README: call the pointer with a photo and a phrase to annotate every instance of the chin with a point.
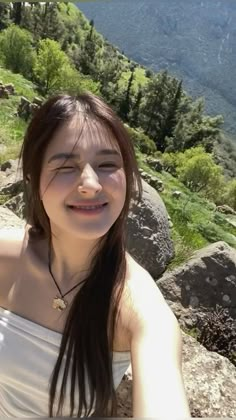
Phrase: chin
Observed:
(88, 234)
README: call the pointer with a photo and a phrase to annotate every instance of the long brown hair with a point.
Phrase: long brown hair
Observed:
(85, 342)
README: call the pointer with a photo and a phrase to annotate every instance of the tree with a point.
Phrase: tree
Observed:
(169, 123)
(125, 104)
(198, 171)
(16, 45)
(134, 112)
(44, 21)
(50, 66)
(159, 94)
(4, 16)
(193, 127)
(73, 83)
(53, 27)
(16, 12)
(141, 141)
(88, 61)
(32, 19)
(109, 71)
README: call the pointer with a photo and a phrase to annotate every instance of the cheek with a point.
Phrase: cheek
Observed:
(117, 183)
(47, 185)
(54, 183)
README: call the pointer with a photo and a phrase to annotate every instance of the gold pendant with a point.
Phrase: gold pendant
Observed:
(59, 303)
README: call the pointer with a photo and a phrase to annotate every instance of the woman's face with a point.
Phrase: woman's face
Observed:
(84, 194)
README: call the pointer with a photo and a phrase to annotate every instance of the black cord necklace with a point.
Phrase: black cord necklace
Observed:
(59, 302)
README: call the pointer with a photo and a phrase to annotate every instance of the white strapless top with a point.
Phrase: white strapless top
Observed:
(28, 353)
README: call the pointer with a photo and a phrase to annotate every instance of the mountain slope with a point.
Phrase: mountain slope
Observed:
(193, 39)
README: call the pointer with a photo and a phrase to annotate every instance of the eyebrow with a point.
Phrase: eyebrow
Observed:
(59, 156)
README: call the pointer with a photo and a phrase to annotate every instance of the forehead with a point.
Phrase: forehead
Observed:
(82, 134)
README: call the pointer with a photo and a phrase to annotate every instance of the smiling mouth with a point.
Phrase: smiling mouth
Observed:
(98, 206)
(88, 210)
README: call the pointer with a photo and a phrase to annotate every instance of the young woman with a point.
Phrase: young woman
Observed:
(75, 308)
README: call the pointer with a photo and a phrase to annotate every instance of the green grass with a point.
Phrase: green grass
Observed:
(196, 224)
(193, 332)
(22, 86)
(12, 127)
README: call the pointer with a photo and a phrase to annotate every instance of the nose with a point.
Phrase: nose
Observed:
(89, 181)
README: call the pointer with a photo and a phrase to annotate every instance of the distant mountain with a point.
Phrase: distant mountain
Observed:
(194, 39)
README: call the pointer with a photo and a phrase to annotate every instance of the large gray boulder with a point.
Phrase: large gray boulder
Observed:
(209, 380)
(9, 220)
(207, 279)
(17, 205)
(11, 181)
(149, 239)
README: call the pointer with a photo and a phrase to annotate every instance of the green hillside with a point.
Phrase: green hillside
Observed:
(12, 127)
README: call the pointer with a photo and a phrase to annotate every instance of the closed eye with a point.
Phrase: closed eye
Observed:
(108, 164)
(65, 167)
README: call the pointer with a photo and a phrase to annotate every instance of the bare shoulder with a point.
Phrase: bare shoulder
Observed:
(143, 303)
(11, 240)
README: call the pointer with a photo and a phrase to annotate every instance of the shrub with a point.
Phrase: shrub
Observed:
(142, 141)
(218, 332)
(230, 195)
(17, 51)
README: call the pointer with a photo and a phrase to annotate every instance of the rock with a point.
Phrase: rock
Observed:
(154, 164)
(10, 166)
(209, 381)
(6, 90)
(37, 101)
(4, 93)
(206, 280)
(153, 181)
(2, 177)
(17, 205)
(177, 194)
(27, 108)
(9, 220)
(11, 185)
(225, 209)
(10, 88)
(23, 110)
(148, 236)
(156, 183)
(12, 181)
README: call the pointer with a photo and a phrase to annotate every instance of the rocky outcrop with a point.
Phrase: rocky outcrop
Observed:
(209, 379)
(154, 163)
(153, 181)
(206, 280)
(192, 290)
(149, 234)
(225, 209)
(9, 220)
(6, 90)
(27, 108)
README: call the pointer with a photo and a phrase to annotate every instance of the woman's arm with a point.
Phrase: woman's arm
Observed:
(156, 355)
